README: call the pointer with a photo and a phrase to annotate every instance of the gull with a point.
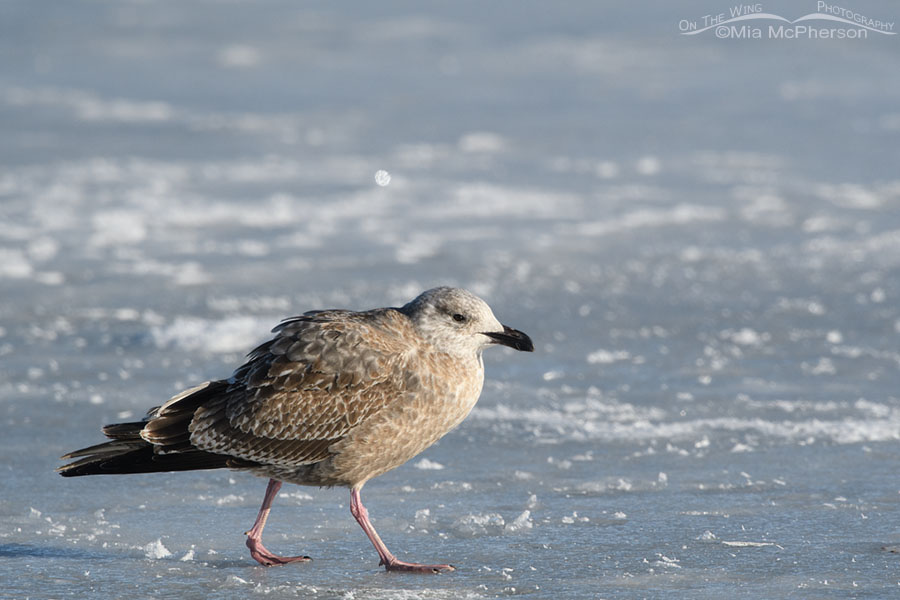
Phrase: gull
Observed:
(335, 398)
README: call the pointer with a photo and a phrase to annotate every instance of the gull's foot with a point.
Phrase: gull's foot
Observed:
(267, 559)
(399, 565)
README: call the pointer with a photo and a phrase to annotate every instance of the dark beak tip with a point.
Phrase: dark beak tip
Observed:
(513, 338)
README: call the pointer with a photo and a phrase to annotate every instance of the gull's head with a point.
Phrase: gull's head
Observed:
(458, 322)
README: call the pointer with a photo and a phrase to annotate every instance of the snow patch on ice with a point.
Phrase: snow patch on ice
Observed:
(606, 357)
(240, 56)
(476, 525)
(156, 550)
(89, 106)
(186, 273)
(745, 337)
(229, 500)
(14, 264)
(297, 496)
(220, 336)
(824, 366)
(117, 227)
(43, 248)
(682, 214)
(493, 201)
(595, 419)
(482, 142)
(523, 521)
(740, 544)
(393, 594)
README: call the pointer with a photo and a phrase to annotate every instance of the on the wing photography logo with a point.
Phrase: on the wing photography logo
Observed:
(752, 22)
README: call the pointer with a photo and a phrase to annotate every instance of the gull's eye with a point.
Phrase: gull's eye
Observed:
(459, 318)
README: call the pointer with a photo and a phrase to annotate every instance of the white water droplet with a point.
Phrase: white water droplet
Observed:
(382, 177)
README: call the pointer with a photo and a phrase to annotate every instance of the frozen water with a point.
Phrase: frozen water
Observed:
(701, 235)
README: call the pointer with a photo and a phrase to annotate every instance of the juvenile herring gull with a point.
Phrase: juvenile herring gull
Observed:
(335, 398)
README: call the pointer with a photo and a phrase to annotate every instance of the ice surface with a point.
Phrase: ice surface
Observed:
(702, 236)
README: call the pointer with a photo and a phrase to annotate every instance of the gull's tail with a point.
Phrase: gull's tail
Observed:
(159, 443)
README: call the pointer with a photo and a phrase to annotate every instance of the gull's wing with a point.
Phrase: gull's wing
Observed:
(299, 393)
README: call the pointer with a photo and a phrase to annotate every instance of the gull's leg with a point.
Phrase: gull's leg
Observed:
(254, 536)
(390, 562)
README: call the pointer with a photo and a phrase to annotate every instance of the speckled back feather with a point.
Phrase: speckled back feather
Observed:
(305, 389)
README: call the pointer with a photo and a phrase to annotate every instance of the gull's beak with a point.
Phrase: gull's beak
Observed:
(512, 338)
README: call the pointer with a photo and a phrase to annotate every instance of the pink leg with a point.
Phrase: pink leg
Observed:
(390, 562)
(254, 536)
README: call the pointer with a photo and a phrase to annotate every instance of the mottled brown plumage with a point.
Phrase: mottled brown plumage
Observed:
(335, 398)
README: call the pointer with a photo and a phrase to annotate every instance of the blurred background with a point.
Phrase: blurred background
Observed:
(701, 234)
